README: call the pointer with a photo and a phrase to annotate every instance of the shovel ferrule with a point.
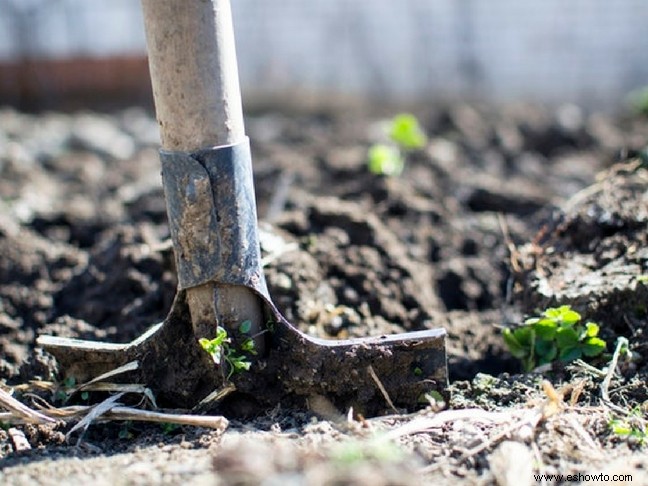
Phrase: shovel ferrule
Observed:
(212, 216)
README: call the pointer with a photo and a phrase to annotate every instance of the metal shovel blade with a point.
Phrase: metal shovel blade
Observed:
(357, 372)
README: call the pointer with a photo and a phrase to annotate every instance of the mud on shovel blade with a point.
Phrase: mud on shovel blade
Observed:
(207, 178)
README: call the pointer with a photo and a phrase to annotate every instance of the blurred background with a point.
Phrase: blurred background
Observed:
(81, 53)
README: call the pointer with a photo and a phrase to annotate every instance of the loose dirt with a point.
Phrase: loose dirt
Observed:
(506, 211)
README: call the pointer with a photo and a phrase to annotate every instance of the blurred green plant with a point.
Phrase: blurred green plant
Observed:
(555, 335)
(405, 134)
(385, 160)
(379, 449)
(632, 427)
(638, 100)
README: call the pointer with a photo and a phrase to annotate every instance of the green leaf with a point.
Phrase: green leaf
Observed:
(620, 428)
(566, 337)
(245, 327)
(525, 336)
(206, 344)
(565, 315)
(545, 329)
(593, 346)
(546, 351)
(221, 335)
(591, 329)
(69, 382)
(249, 346)
(237, 364)
(571, 353)
(242, 365)
(406, 132)
(514, 346)
(385, 160)
(212, 347)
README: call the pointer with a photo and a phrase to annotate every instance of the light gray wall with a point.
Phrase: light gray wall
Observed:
(585, 51)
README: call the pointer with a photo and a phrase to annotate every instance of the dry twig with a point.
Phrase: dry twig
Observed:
(22, 411)
(605, 384)
(382, 389)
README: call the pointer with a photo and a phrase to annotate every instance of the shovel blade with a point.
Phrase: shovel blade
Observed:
(373, 375)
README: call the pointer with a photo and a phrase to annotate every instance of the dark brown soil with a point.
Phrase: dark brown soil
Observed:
(479, 231)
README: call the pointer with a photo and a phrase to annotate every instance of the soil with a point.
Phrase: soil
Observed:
(507, 211)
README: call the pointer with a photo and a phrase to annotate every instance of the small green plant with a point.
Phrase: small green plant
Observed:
(385, 160)
(632, 428)
(220, 349)
(556, 335)
(405, 134)
(64, 389)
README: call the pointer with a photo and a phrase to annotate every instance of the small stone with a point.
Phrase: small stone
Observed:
(512, 464)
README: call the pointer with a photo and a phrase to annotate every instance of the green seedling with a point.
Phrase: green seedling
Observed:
(556, 335)
(631, 428)
(215, 347)
(220, 349)
(405, 134)
(64, 388)
(385, 160)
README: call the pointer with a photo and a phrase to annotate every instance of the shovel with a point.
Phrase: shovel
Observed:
(207, 179)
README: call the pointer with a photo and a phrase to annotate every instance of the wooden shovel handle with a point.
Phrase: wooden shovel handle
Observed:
(192, 59)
